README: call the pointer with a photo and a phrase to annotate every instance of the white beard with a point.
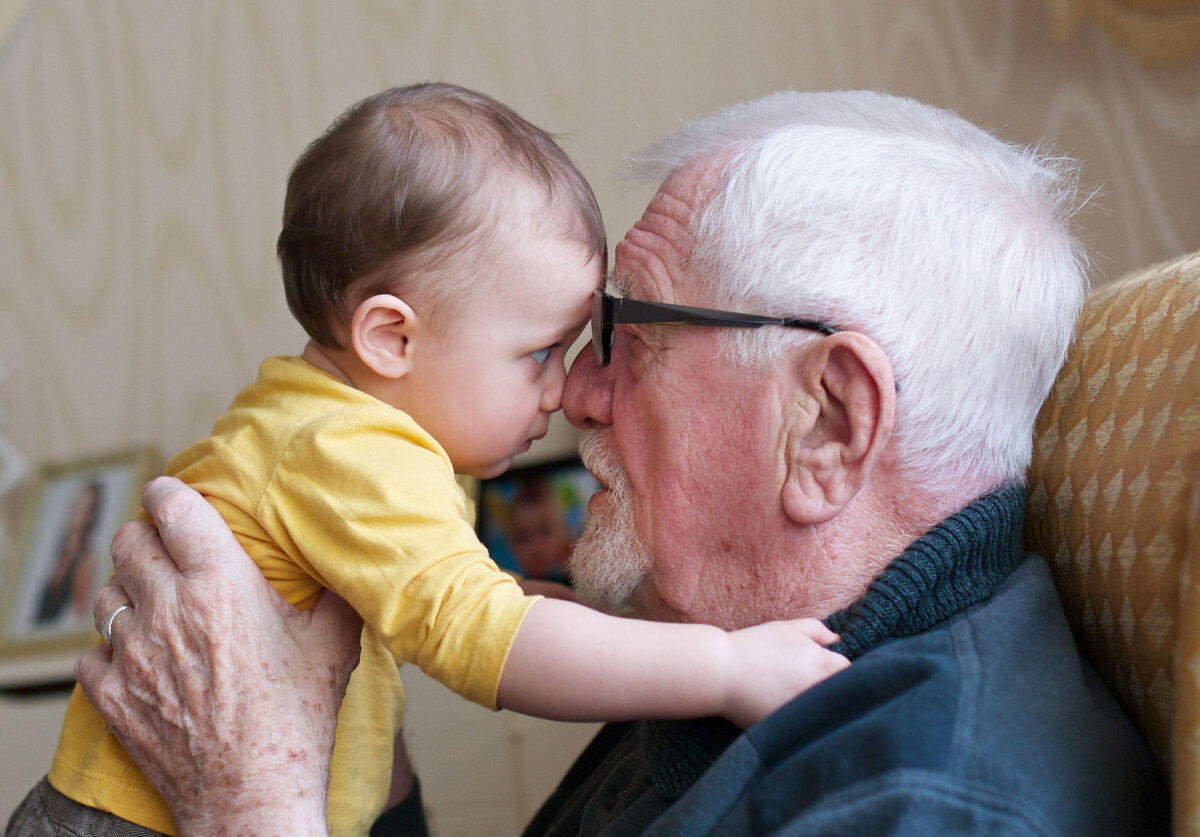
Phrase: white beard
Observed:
(610, 560)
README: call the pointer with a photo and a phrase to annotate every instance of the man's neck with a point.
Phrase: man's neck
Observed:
(959, 562)
(842, 557)
(883, 520)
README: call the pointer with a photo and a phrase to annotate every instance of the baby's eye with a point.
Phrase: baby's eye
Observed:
(542, 355)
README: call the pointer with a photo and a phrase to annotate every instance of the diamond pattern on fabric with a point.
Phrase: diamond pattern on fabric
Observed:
(1114, 503)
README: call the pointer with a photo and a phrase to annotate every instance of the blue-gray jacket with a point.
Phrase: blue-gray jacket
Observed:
(967, 710)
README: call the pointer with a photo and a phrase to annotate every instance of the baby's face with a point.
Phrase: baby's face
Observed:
(538, 537)
(487, 391)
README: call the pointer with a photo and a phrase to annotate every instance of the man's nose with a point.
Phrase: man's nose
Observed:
(587, 395)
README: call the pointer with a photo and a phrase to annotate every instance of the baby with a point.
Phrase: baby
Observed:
(442, 253)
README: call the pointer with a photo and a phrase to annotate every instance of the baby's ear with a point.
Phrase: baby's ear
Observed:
(381, 334)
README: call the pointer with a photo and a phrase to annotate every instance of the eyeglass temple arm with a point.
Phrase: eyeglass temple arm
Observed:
(661, 313)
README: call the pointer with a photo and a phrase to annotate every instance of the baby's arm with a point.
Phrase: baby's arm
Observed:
(570, 663)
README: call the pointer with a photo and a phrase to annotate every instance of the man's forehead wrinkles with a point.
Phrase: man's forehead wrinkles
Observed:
(687, 190)
(678, 209)
(656, 247)
(646, 262)
(670, 218)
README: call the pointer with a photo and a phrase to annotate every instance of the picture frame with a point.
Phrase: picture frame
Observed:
(62, 555)
(530, 517)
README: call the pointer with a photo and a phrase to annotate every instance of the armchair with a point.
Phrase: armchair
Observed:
(1114, 503)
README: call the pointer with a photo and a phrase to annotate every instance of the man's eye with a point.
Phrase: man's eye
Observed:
(542, 355)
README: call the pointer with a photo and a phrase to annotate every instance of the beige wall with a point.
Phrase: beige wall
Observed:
(144, 146)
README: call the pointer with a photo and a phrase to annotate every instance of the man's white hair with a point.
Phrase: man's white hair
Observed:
(949, 248)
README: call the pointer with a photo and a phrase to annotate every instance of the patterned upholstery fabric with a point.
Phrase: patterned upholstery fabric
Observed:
(1114, 502)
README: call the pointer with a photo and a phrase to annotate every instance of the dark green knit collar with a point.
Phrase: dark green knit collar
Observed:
(960, 562)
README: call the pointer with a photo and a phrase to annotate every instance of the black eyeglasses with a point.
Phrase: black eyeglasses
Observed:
(607, 311)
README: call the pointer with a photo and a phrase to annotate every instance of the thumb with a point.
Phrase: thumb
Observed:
(194, 534)
(817, 631)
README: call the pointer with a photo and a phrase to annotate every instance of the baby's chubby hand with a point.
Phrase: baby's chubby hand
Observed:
(769, 664)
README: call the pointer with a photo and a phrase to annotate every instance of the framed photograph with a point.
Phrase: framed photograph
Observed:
(530, 517)
(62, 556)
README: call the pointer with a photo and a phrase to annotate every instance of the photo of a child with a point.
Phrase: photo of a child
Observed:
(74, 511)
(530, 518)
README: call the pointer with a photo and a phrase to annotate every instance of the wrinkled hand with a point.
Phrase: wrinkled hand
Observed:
(770, 664)
(224, 694)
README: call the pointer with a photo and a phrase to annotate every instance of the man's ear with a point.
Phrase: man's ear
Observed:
(843, 407)
(382, 333)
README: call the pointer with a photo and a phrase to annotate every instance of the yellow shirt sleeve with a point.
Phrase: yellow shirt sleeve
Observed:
(366, 502)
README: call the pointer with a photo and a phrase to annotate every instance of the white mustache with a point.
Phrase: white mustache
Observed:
(596, 451)
(610, 560)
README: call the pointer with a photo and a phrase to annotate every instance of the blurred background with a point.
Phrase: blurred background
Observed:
(144, 147)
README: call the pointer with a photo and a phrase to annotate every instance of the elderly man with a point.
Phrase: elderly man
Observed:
(853, 449)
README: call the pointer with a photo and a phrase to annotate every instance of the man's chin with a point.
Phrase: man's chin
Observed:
(607, 571)
(596, 593)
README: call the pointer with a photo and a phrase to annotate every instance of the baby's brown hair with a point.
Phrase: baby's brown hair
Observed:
(402, 182)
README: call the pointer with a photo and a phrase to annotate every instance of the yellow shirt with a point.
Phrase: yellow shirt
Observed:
(327, 487)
